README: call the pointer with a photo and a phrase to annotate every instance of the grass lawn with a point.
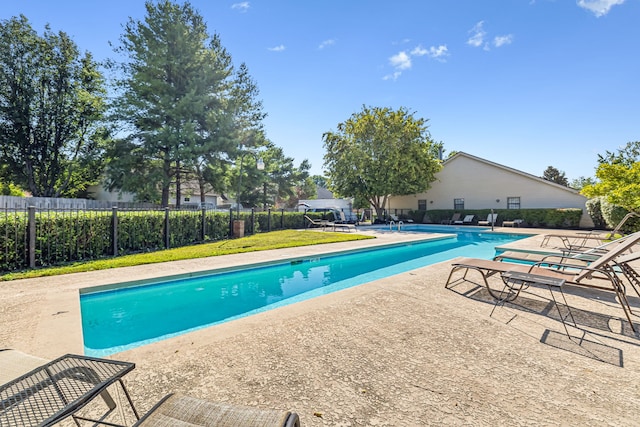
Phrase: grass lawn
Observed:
(257, 242)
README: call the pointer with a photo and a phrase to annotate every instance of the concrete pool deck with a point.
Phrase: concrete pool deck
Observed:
(399, 351)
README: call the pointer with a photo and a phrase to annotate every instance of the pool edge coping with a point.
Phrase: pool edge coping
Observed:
(221, 270)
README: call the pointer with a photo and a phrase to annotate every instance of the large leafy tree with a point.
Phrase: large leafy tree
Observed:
(305, 187)
(213, 155)
(279, 183)
(239, 131)
(627, 155)
(51, 103)
(286, 183)
(380, 152)
(581, 182)
(618, 175)
(173, 100)
(554, 175)
(320, 181)
(10, 190)
(248, 132)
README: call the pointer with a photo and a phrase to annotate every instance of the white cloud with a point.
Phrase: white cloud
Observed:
(393, 76)
(435, 52)
(326, 43)
(403, 41)
(599, 7)
(401, 61)
(242, 7)
(477, 35)
(438, 52)
(503, 40)
(279, 48)
(419, 51)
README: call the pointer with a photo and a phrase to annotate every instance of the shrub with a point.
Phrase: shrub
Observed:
(8, 189)
(563, 218)
(594, 209)
(613, 214)
(552, 218)
(69, 236)
(13, 240)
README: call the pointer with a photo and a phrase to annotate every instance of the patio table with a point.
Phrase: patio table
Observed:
(515, 281)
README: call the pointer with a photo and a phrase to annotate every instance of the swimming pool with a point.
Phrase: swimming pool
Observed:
(126, 317)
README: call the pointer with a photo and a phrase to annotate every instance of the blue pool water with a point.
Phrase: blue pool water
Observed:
(126, 317)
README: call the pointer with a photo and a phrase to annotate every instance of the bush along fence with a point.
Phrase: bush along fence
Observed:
(31, 237)
(539, 218)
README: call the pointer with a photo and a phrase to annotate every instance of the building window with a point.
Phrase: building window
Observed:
(513, 202)
(458, 204)
(422, 205)
(186, 199)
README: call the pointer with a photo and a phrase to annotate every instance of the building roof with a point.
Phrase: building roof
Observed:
(323, 193)
(512, 170)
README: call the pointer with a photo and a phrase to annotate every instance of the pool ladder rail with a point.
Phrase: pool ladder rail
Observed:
(392, 223)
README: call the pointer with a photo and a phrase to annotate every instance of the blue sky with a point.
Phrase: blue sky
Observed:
(524, 83)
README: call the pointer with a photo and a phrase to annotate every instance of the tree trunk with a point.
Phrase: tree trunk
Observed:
(166, 183)
(379, 205)
(264, 196)
(379, 211)
(178, 190)
(201, 183)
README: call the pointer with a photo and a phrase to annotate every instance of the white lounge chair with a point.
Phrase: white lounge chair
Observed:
(468, 219)
(397, 219)
(455, 217)
(329, 224)
(321, 223)
(491, 220)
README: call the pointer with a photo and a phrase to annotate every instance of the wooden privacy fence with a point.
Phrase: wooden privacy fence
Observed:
(34, 237)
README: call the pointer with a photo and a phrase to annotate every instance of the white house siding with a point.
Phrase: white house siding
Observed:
(98, 192)
(190, 195)
(484, 185)
(212, 201)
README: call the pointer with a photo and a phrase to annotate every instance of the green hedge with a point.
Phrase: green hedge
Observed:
(140, 231)
(544, 218)
(594, 209)
(68, 236)
(13, 240)
(279, 220)
(71, 236)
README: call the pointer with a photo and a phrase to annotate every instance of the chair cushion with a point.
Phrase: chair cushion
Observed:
(15, 363)
(183, 411)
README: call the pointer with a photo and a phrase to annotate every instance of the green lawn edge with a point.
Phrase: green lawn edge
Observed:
(257, 242)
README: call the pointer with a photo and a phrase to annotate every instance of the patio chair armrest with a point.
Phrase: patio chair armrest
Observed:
(585, 271)
(563, 259)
